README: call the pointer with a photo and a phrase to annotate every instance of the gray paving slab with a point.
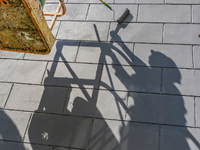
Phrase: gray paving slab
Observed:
(196, 13)
(197, 100)
(136, 32)
(183, 1)
(129, 78)
(107, 134)
(181, 33)
(61, 51)
(13, 124)
(4, 92)
(89, 1)
(96, 103)
(183, 138)
(139, 1)
(163, 55)
(55, 27)
(22, 146)
(181, 81)
(164, 13)
(13, 55)
(163, 109)
(102, 13)
(108, 53)
(73, 11)
(22, 71)
(72, 74)
(196, 56)
(37, 98)
(59, 130)
(94, 31)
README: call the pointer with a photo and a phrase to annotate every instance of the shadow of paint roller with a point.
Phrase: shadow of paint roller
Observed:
(122, 17)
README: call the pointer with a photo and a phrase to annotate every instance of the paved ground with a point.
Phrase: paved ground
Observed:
(104, 86)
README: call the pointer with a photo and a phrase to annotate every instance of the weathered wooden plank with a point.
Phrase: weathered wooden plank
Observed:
(23, 27)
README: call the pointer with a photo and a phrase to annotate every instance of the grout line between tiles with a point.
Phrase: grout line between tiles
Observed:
(8, 95)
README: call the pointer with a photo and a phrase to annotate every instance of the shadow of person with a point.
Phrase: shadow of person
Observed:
(162, 109)
(106, 134)
(9, 132)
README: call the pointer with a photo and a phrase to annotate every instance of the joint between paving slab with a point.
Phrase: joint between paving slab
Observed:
(90, 134)
(58, 29)
(29, 121)
(159, 136)
(100, 76)
(127, 105)
(108, 31)
(103, 89)
(133, 54)
(87, 12)
(8, 95)
(193, 61)
(191, 12)
(66, 98)
(163, 32)
(89, 117)
(44, 72)
(79, 44)
(24, 56)
(137, 13)
(195, 113)
(161, 80)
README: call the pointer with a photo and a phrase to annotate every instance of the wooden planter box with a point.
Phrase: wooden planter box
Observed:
(23, 27)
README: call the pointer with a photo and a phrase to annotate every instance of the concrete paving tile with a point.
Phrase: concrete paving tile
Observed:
(197, 111)
(55, 27)
(163, 55)
(139, 1)
(61, 51)
(59, 130)
(102, 13)
(22, 146)
(83, 31)
(164, 109)
(72, 74)
(131, 78)
(196, 13)
(73, 11)
(164, 13)
(108, 53)
(37, 98)
(136, 32)
(7, 54)
(181, 33)
(22, 71)
(13, 124)
(179, 138)
(183, 1)
(181, 81)
(89, 1)
(97, 103)
(196, 56)
(107, 134)
(4, 92)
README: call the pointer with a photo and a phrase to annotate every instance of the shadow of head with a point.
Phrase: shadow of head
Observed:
(163, 60)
